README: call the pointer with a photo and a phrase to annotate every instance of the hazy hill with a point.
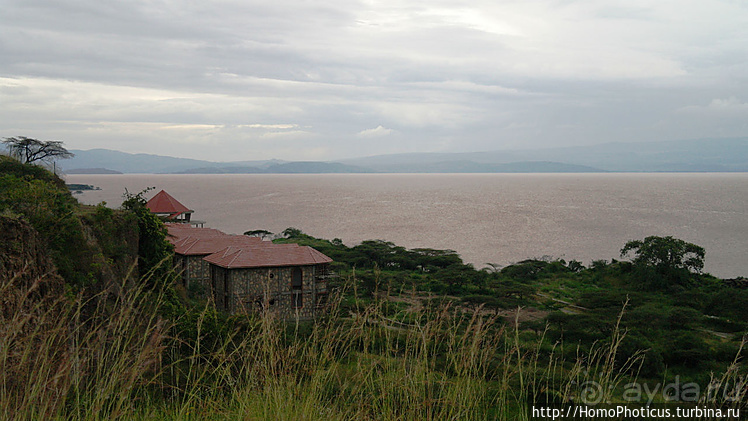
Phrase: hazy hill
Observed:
(315, 167)
(127, 162)
(476, 167)
(704, 155)
(283, 168)
(707, 155)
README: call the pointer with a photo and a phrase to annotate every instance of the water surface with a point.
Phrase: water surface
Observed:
(496, 218)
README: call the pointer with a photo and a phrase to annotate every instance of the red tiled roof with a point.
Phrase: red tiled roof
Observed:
(192, 246)
(267, 255)
(163, 202)
(239, 251)
(181, 231)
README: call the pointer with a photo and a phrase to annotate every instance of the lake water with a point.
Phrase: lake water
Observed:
(496, 218)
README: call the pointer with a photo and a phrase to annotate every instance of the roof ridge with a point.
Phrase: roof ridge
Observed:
(236, 255)
(194, 242)
(314, 254)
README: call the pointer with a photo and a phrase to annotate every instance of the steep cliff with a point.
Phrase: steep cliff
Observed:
(25, 264)
(46, 231)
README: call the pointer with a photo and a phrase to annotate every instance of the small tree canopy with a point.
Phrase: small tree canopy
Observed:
(666, 253)
(292, 232)
(154, 251)
(259, 233)
(28, 150)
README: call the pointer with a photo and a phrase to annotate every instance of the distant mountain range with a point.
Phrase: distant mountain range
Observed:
(303, 167)
(703, 155)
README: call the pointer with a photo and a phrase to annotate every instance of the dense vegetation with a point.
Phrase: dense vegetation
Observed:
(86, 243)
(413, 334)
(687, 323)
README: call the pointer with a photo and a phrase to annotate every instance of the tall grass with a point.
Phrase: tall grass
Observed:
(81, 358)
(112, 356)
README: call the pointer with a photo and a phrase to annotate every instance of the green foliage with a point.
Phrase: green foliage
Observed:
(10, 166)
(458, 278)
(292, 233)
(487, 302)
(383, 266)
(661, 314)
(532, 269)
(730, 303)
(681, 319)
(575, 266)
(259, 233)
(92, 247)
(53, 213)
(116, 236)
(662, 262)
(146, 355)
(378, 253)
(667, 252)
(154, 251)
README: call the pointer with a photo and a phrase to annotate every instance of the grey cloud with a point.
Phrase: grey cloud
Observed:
(442, 75)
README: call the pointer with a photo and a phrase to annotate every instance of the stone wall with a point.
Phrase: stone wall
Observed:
(195, 272)
(271, 289)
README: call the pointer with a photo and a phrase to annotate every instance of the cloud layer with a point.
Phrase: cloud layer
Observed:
(237, 79)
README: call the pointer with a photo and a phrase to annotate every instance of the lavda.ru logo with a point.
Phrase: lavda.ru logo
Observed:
(674, 391)
(678, 391)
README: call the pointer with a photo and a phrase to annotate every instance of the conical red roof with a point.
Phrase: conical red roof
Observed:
(163, 202)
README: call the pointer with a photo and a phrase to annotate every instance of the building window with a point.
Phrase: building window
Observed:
(297, 282)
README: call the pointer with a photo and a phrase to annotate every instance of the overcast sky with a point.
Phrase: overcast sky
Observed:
(320, 80)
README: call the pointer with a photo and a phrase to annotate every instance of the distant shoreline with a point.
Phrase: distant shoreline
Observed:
(92, 171)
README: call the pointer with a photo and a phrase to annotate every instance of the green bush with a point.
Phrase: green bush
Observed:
(154, 251)
(53, 212)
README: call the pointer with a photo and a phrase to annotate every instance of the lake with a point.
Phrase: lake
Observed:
(496, 218)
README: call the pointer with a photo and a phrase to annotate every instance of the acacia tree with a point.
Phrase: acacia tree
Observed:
(666, 252)
(29, 150)
(672, 259)
(263, 234)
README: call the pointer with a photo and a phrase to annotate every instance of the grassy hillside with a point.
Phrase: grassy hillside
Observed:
(684, 323)
(410, 334)
(90, 246)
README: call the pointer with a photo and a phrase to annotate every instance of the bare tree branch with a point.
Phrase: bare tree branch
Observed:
(29, 150)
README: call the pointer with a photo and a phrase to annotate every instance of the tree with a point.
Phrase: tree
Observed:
(661, 262)
(154, 251)
(263, 234)
(29, 150)
(292, 232)
(666, 253)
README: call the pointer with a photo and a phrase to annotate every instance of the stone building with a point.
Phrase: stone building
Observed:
(188, 258)
(287, 280)
(190, 253)
(246, 274)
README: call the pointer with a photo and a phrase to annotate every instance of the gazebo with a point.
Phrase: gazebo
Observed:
(164, 204)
